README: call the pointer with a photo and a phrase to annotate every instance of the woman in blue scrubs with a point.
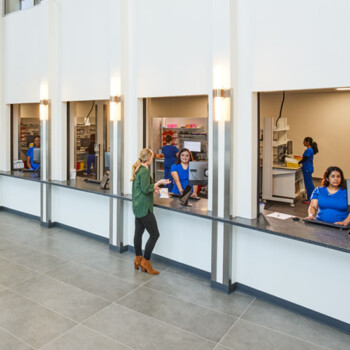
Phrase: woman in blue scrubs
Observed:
(170, 153)
(308, 165)
(30, 163)
(329, 202)
(180, 172)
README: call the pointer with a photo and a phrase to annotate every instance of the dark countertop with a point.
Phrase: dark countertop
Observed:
(323, 236)
(19, 174)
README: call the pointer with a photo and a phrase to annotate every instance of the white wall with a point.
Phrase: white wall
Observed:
(173, 47)
(20, 195)
(302, 273)
(23, 55)
(84, 27)
(81, 210)
(299, 44)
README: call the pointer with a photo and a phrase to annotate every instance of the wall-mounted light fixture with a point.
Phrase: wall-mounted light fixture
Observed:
(114, 102)
(343, 89)
(219, 96)
(44, 102)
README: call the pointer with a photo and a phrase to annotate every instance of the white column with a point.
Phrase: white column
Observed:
(119, 41)
(221, 136)
(245, 112)
(5, 133)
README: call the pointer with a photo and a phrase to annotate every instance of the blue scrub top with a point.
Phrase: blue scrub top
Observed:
(331, 207)
(169, 152)
(30, 154)
(309, 163)
(183, 176)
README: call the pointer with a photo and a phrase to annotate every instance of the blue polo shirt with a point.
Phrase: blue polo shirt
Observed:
(169, 152)
(309, 163)
(30, 154)
(183, 176)
(331, 207)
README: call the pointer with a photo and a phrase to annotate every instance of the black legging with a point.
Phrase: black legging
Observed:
(149, 223)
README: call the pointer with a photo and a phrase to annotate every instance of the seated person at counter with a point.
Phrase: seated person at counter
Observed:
(180, 172)
(329, 202)
(170, 153)
(30, 164)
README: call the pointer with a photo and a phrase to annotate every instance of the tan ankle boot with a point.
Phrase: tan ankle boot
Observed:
(137, 262)
(147, 267)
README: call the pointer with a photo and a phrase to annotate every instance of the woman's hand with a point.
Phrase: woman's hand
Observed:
(342, 223)
(162, 182)
(310, 217)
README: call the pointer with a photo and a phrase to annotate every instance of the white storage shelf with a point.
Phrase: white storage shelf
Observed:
(279, 183)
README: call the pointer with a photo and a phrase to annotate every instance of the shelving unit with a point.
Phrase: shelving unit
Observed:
(158, 169)
(279, 183)
(29, 127)
(82, 141)
(187, 134)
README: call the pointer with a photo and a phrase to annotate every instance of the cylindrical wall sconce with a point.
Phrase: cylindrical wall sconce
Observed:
(44, 102)
(221, 110)
(115, 99)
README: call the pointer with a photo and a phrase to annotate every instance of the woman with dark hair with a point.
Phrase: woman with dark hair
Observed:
(180, 172)
(170, 153)
(308, 165)
(329, 202)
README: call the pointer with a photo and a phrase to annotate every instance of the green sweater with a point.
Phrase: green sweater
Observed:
(142, 193)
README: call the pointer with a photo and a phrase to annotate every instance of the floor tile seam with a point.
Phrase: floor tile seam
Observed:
(44, 306)
(107, 274)
(191, 302)
(234, 323)
(103, 272)
(31, 269)
(108, 301)
(98, 311)
(131, 291)
(44, 252)
(106, 336)
(169, 324)
(17, 337)
(16, 284)
(90, 250)
(286, 334)
(189, 278)
(71, 285)
(88, 328)
(16, 263)
(59, 336)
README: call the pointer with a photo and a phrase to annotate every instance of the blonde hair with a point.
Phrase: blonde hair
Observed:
(144, 156)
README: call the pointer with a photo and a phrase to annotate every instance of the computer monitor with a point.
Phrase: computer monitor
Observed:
(193, 146)
(36, 155)
(198, 173)
(107, 160)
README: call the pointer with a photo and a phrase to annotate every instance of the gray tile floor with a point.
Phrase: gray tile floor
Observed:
(62, 291)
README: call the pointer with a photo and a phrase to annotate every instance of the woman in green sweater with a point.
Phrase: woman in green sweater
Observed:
(142, 205)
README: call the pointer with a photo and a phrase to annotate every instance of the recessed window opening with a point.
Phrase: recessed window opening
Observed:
(291, 123)
(89, 139)
(174, 124)
(25, 135)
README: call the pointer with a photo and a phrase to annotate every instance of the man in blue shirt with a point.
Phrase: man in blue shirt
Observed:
(30, 163)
